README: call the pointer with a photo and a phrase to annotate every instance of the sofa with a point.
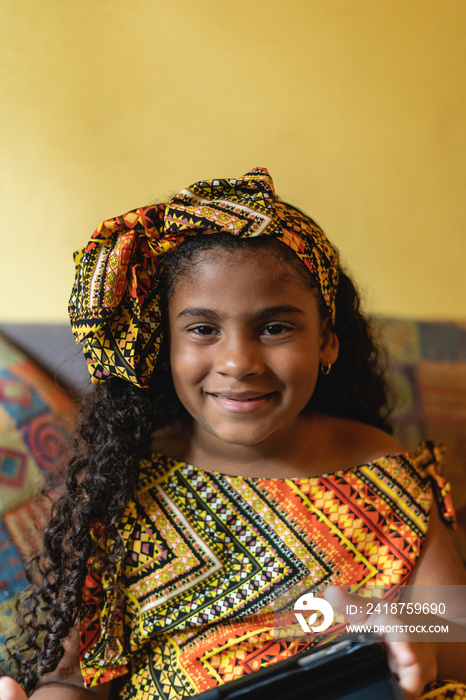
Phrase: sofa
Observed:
(42, 372)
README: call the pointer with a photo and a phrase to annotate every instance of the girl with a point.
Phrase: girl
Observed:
(235, 450)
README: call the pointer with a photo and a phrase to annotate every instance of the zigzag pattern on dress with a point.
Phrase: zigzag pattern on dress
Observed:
(215, 562)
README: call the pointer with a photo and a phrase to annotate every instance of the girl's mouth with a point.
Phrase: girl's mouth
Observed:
(241, 402)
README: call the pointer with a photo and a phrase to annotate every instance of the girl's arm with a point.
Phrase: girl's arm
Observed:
(440, 565)
(65, 683)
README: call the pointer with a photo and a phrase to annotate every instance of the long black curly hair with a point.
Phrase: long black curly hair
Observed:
(117, 421)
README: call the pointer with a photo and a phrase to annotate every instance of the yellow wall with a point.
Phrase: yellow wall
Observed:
(357, 107)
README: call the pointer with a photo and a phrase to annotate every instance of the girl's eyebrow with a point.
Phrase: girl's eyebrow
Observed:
(263, 315)
(195, 311)
(273, 311)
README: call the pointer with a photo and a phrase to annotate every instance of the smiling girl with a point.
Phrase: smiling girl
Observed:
(234, 451)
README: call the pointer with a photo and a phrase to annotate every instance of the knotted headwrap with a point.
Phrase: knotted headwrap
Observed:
(115, 302)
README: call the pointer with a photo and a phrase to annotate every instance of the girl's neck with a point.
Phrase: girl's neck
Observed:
(285, 453)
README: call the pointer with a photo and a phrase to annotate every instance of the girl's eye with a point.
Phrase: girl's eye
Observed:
(202, 329)
(275, 329)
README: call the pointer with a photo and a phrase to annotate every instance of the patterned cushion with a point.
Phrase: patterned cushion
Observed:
(427, 372)
(34, 416)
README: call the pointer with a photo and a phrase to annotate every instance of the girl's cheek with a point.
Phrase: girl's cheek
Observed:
(189, 365)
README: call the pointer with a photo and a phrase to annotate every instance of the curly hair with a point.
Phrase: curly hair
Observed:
(117, 421)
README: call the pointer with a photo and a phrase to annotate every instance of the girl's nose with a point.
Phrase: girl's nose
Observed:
(238, 357)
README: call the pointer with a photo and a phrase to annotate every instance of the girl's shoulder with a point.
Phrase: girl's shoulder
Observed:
(341, 443)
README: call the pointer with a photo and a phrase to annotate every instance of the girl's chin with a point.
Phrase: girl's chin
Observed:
(243, 436)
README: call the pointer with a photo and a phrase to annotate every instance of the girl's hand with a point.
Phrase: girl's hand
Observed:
(10, 690)
(413, 663)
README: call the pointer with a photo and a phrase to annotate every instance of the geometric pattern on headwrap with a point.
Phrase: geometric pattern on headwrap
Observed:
(115, 303)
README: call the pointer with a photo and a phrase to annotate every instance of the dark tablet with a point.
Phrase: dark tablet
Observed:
(350, 668)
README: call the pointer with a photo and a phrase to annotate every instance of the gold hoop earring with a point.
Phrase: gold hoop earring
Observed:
(325, 369)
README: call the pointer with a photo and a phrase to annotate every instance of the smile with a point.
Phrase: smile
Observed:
(241, 403)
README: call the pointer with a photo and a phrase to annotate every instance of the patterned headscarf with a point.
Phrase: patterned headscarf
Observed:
(115, 302)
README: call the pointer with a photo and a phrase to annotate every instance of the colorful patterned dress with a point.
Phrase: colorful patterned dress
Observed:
(214, 563)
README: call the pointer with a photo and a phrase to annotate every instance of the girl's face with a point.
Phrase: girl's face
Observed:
(246, 342)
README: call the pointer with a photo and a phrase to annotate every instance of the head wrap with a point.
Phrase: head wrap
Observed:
(115, 302)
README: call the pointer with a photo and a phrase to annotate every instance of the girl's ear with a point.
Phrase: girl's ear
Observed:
(329, 345)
